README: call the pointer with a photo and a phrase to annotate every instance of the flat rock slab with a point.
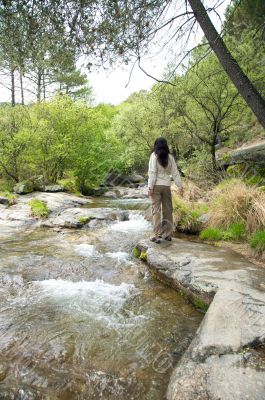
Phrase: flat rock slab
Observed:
(77, 217)
(215, 366)
(18, 216)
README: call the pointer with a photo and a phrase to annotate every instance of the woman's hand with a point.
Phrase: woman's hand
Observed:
(150, 192)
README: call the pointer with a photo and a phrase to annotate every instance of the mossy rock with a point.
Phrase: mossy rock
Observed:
(24, 187)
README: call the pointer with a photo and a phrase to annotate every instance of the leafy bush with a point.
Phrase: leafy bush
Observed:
(235, 202)
(211, 234)
(39, 208)
(257, 241)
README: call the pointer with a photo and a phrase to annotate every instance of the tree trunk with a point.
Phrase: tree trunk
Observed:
(13, 88)
(250, 94)
(214, 164)
(44, 89)
(39, 86)
(21, 88)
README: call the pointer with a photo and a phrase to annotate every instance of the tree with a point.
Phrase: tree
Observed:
(213, 107)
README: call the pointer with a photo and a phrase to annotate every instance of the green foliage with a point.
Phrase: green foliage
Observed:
(257, 241)
(56, 139)
(39, 208)
(200, 304)
(136, 252)
(235, 231)
(83, 220)
(186, 215)
(70, 185)
(211, 234)
(11, 197)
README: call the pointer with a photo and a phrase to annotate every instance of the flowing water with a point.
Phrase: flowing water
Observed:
(82, 319)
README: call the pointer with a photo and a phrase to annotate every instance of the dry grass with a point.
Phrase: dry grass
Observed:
(191, 192)
(234, 201)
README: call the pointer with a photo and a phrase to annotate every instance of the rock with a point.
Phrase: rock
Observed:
(94, 192)
(24, 187)
(254, 153)
(117, 179)
(204, 218)
(54, 188)
(78, 217)
(18, 216)
(4, 200)
(214, 366)
(38, 182)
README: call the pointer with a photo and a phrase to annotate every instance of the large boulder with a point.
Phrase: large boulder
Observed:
(24, 187)
(253, 153)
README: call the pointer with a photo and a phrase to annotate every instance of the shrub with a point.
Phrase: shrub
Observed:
(257, 241)
(39, 208)
(236, 231)
(186, 215)
(233, 202)
(70, 185)
(212, 234)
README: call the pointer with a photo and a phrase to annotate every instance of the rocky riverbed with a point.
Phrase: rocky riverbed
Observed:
(81, 318)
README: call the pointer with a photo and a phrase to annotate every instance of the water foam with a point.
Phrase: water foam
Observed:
(86, 250)
(136, 223)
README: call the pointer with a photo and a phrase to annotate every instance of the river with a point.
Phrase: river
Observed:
(81, 318)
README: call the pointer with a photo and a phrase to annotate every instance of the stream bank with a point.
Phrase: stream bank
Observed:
(224, 360)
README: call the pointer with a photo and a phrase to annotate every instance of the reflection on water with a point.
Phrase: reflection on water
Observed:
(82, 319)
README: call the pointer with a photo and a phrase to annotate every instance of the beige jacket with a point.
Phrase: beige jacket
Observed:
(158, 175)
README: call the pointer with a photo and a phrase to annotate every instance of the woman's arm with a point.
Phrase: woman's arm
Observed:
(152, 172)
(175, 173)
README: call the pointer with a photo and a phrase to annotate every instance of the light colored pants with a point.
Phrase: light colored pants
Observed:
(162, 220)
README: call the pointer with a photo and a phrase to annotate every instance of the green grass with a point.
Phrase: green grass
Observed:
(235, 231)
(257, 241)
(199, 303)
(39, 208)
(11, 197)
(211, 234)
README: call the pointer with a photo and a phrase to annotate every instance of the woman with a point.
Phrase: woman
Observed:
(161, 166)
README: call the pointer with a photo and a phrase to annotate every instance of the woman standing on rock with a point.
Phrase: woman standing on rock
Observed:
(161, 166)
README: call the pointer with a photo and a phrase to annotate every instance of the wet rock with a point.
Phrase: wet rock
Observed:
(24, 187)
(18, 216)
(213, 366)
(75, 217)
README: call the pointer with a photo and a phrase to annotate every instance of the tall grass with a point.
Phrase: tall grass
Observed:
(233, 201)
